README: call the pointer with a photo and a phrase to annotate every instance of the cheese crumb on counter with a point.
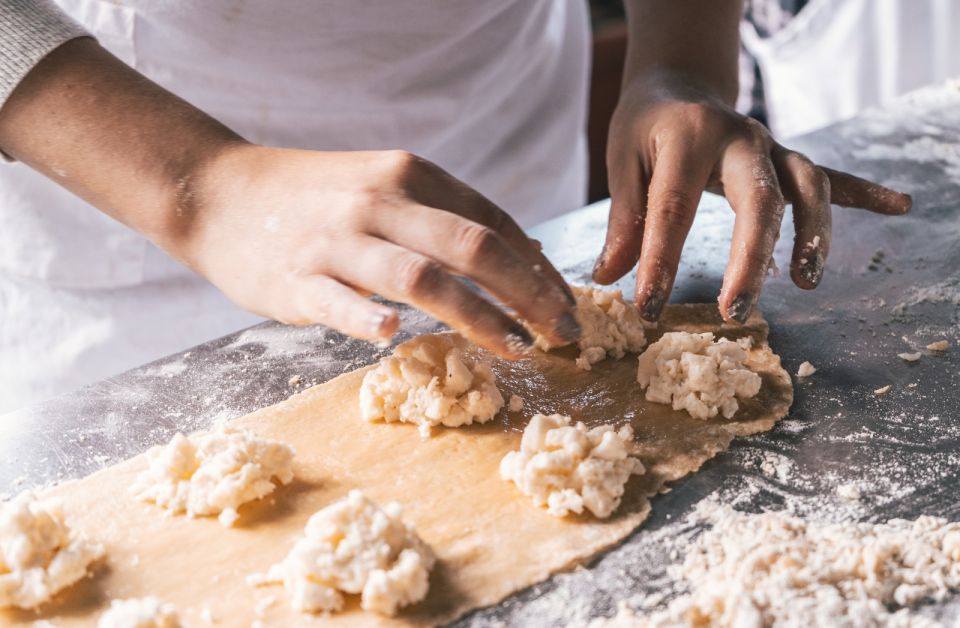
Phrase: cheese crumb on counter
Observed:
(147, 612)
(569, 468)
(515, 404)
(909, 357)
(806, 370)
(774, 569)
(698, 374)
(882, 391)
(39, 554)
(429, 382)
(939, 345)
(353, 546)
(609, 326)
(214, 473)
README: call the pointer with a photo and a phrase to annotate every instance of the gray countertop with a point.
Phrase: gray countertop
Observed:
(892, 285)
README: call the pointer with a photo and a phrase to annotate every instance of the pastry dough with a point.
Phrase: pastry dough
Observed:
(214, 472)
(39, 554)
(430, 383)
(488, 540)
(698, 374)
(568, 467)
(609, 326)
(353, 546)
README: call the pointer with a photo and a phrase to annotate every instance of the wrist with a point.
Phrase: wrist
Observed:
(661, 81)
(197, 198)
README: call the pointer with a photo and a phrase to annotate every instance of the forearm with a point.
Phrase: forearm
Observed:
(696, 38)
(114, 138)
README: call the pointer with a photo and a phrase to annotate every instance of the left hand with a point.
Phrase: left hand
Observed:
(670, 139)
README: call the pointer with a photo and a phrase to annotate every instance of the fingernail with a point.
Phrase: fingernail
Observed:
(739, 310)
(813, 270)
(650, 311)
(378, 321)
(568, 328)
(601, 260)
(519, 339)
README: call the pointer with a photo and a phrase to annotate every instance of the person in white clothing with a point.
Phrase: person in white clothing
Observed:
(301, 156)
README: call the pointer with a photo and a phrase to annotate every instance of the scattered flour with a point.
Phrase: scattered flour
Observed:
(849, 491)
(609, 326)
(147, 612)
(430, 383)
(39, 555)
(922, 149)
(569, 467)
(353, 546)
(214, 472)
(775, 569)
(697, 373)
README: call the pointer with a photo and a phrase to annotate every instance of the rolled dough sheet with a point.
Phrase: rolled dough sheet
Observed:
(490, 539)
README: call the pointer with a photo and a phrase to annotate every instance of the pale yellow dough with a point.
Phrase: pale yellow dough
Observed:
(488, 540)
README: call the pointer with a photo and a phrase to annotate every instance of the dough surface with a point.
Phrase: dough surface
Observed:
(146, 612)
(214, 472)
(430, 383)
(698, 373)
(488, 540)
(39, 554)
(568, 467)
(354, 546)
(610, 326)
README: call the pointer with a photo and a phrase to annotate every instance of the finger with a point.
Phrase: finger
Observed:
(403, 275)
(679, 177)
(848, 190)
(621, 250)
(751, 186)
(439, 189)
(479, 252)
(808, 188)
(321, 299)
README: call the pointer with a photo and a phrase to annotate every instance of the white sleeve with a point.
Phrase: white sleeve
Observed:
(29, 31)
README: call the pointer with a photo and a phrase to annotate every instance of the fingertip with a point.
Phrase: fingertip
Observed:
(383, 323)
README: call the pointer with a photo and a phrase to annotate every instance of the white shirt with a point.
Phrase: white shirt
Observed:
(493, 91)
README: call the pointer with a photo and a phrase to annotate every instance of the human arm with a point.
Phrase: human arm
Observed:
(300, 236)
(676, 133)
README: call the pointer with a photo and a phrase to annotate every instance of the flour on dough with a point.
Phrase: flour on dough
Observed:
(698, 374)
(774, 569)
(610, 326)
(39, 555)
(430, 382)
(146, 612)
(354, 546)
(569, 467)
(214, 472)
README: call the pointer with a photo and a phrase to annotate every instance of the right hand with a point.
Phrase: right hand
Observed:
(304, 236)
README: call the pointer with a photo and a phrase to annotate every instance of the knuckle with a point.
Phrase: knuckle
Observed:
(674, 208)
(402, 164)
(478, 243)
(418, 275)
